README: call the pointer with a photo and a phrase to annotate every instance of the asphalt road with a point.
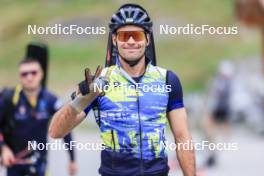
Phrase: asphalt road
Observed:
(247, 160)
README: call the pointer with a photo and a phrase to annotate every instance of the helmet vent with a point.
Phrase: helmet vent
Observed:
(129, 20)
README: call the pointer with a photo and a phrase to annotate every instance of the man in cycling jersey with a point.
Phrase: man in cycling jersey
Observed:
(133, 100)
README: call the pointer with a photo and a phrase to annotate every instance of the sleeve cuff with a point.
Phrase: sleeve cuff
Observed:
(175, 106)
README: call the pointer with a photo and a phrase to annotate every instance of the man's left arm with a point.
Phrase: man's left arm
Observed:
(178, 123)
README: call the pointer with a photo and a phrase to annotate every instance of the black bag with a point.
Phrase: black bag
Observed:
(39, 52)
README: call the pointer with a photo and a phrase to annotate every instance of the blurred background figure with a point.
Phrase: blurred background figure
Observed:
(24, 117)
(251, 13)
(219, 113)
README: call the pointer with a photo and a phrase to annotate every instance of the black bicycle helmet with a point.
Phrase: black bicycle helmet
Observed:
(130, 14)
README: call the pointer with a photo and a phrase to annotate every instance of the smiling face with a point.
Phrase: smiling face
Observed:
(131, 42)
(30, 75)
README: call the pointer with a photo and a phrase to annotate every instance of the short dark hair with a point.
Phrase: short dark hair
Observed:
(27, 61)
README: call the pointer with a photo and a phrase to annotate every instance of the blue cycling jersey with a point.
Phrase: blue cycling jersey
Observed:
(132, 120)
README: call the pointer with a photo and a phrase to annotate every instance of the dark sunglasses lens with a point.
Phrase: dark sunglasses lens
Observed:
(25, 74)
(34, 73)
(138, 36)
(124, 36)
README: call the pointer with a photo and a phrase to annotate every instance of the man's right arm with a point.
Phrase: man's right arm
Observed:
(64, 121)
(72, 114)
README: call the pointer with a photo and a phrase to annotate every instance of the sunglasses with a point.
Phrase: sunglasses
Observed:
(25, 74)
(124, 36)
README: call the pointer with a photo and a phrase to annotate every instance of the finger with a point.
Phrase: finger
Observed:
(12, 160)
(98, 71)
(88, 76)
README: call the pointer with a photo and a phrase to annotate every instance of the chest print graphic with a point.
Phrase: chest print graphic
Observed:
(21, 113)
(42, 111)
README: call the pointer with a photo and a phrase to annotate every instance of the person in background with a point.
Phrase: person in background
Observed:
(218, 117)
(25, 112)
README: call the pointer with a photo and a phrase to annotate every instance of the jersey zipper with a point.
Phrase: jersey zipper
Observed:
(113, 153)
(139, 118)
